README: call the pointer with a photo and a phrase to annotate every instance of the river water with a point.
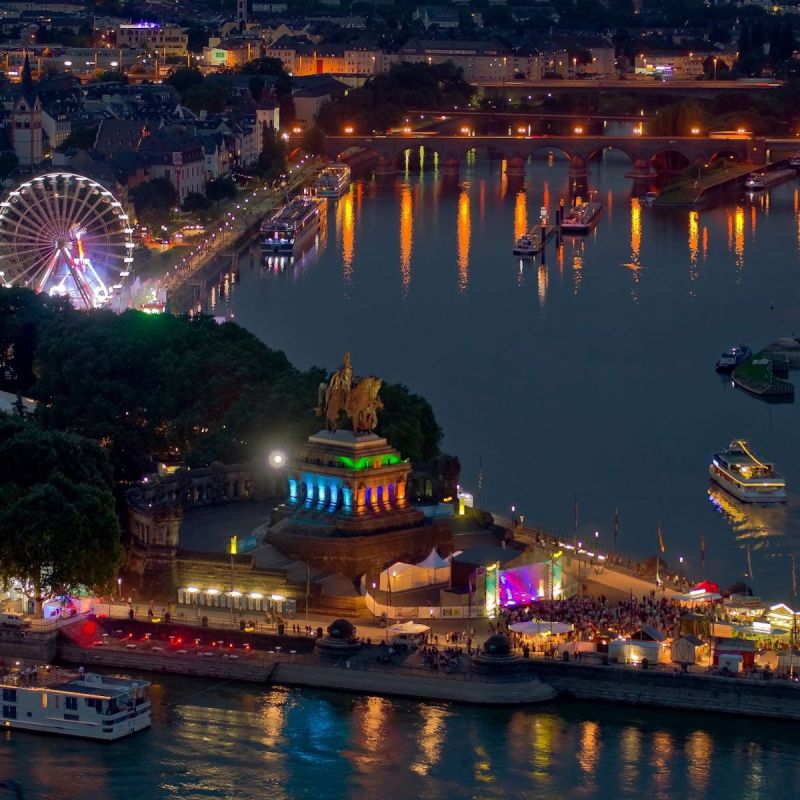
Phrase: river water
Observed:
(232, 741)
(591, 376)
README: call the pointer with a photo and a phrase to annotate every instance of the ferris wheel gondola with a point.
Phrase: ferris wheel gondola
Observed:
(66, 235)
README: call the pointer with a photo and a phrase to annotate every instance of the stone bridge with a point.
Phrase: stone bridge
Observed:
(649, 155)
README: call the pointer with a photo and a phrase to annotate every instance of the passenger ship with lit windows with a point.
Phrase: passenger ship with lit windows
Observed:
(333, 181)
(91, 706)
(289, 227)
(739, 472)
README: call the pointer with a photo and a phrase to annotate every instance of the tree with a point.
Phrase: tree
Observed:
(207, 96)
(314, 141)
(8, 163)
(256, 85)
(194, 201)
(111, 76)
(220, 189)
(154, 201)
(58, 525)
(80, 139)
(272, 159)
(184, 79)
(263, 66)
(146, 385)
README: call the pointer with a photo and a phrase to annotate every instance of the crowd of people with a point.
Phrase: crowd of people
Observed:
(593, 616)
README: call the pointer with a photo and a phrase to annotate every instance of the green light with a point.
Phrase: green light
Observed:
(368, 461)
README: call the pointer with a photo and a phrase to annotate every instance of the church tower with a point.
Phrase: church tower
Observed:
(241, 12)
(26, 122)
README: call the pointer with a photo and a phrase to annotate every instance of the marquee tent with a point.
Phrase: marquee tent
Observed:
(541, 626)
(401, 577)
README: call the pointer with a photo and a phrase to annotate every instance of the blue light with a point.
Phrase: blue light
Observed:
(293, 490)
(347, 501)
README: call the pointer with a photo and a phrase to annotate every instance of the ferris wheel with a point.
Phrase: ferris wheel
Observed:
(66, 235)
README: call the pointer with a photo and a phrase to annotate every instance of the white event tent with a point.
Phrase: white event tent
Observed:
(433, 569)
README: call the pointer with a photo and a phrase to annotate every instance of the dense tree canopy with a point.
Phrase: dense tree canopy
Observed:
(382, 101)
(146, 386)
(154, 201)
(58, 524)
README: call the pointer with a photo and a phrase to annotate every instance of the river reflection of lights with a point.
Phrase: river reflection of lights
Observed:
(542, 285)
(738, 244)
(589, 755)
(749, 522)
(694, 245)
(406, 236)
(520, 214)
(661, 761)
(464, 231)
(430, 738)
(699, 753)
(348, 236)
(503, 179)
(630, 758)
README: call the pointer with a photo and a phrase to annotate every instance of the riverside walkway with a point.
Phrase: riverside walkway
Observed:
(238, 222)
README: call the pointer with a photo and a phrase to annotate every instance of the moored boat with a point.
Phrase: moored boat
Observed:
(756, 180)
(527, 245)
(737, 470)
(91, 706)
(731, 359)
(333, 181)
(581, 217)
(287, 229)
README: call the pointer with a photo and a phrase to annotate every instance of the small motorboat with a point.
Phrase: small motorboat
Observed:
(527, 245)
(731, 359)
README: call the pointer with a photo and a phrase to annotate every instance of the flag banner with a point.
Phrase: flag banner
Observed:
(661, 547)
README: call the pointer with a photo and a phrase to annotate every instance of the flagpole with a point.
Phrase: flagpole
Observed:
(794, 608)
(575, 534)
(703, 555)
(616, 528)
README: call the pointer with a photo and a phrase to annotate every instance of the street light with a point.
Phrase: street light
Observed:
(277, 458)
(715, 67)
(374, 587)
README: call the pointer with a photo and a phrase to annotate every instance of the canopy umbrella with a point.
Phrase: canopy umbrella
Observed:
(708, 586)
(537, 626)
(412, 628)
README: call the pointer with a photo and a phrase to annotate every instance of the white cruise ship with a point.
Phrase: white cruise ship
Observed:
(739, 472)
(52, 700)
(333, 181)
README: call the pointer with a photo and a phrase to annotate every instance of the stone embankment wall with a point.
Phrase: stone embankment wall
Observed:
(149, 662)
(23, 643)
(778, 699)
(403, 683)
(355, 555)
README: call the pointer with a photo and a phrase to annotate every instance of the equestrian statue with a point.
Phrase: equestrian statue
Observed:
(358, 400)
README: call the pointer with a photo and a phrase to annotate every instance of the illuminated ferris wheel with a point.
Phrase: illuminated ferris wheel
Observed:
(66, 235)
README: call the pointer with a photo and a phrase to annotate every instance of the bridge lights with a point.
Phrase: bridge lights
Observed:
(578, 130)
(348, 129)
(695, 131)
(521, 130)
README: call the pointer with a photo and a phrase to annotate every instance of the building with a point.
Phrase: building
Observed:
(685, 65)
(26, 122)
(267, 113)
(232, 52)
(175, 154)
(441, 17)
(164, 40)
(480, 61)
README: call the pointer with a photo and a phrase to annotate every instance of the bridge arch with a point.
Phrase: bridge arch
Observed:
(535, 147)
(671, 159)
(728, 155)
(597, 154)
